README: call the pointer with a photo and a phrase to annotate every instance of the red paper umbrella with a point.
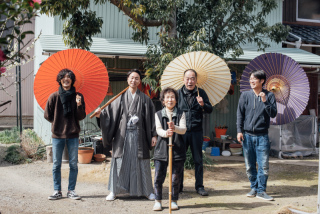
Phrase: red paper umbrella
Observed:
(286, 79)
(92, 79)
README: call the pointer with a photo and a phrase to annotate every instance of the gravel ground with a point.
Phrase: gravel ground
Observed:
(25, 188)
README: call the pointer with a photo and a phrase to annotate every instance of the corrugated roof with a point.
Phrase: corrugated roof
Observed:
(103, 46)
(127, 47)
(299, 55)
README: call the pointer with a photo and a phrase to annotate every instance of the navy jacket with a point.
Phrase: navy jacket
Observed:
(253, 115)
(194, 114)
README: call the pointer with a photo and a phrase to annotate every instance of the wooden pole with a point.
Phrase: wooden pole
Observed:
(170, 167)
(110, 101)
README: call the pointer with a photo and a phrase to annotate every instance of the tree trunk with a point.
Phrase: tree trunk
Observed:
(173, 30)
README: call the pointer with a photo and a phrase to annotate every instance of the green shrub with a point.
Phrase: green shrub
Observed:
(189, 163)
(13, 155)
(10, 136)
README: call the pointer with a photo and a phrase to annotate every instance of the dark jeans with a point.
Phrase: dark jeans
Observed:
(256, 149)
(194, 140)
(160, 176)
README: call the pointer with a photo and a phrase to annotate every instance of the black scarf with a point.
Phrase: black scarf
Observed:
(190, 95)
(65, 97)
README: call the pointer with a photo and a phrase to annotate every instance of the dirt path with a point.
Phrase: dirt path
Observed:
(25, 188)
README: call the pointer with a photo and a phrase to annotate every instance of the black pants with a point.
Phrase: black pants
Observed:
(195, 140)
(160, 176)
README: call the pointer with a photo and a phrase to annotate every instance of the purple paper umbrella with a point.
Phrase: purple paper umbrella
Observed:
(286, 79)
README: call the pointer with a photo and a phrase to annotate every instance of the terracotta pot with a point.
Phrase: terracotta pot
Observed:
(99, 157)
(85, 154)
(220, 132)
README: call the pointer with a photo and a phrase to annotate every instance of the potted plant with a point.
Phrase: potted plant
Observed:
(220, 130)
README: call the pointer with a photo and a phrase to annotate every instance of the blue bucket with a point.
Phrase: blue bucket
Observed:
(215, 151)
(205, 144)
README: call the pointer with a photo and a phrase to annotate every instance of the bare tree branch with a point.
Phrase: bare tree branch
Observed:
(5, 103)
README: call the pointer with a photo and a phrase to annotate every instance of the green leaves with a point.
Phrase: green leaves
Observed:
(218, 26)
(78, 31)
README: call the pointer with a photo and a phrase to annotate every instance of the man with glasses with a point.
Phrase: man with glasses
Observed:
(194, 105)
(255, 108)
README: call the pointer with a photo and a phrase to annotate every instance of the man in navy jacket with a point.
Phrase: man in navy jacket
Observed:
(194, 106)
(255, 108)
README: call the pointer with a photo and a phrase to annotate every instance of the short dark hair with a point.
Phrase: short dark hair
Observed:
(190, 70)
(134, 70)
(63, 72)
(168, 90)
(259, 74)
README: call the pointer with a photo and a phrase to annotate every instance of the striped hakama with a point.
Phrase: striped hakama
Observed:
(129, 174)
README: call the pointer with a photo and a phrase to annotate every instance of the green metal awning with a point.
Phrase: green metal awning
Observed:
(127, 48)
(110, 47)
(304, 58)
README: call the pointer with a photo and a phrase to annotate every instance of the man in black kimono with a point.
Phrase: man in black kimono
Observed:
(128, 123)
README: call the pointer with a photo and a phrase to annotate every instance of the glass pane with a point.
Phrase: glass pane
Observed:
(309, 9)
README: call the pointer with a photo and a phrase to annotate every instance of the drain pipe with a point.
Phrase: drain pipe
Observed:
(297, 43)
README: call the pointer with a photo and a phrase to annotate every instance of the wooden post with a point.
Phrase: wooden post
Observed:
(170, 167)
(49, 154)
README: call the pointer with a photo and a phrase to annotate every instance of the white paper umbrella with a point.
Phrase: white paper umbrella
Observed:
(213, 74)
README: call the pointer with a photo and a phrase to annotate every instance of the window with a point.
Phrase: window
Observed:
(308, 10)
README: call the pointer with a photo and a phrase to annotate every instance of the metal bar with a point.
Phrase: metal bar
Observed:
(20, 105)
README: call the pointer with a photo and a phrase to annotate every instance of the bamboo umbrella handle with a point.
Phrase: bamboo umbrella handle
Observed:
(170, 167)
(110, 101)
(198, 91)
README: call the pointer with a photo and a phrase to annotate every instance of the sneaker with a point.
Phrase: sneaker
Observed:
(56, 195)
(252, 193)
(73, 195)
(264, 196)
(202, 192)
(157, 206)
(111, 197)
(174, 205)
(151, 197)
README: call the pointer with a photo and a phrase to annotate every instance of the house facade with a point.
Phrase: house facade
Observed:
(119, 53)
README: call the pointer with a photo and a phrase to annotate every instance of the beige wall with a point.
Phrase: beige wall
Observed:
(26, 84)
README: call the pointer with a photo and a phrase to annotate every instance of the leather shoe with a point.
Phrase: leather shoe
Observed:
(202, 192)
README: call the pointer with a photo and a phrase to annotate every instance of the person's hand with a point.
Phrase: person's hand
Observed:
(171, 125)
(240, 137)
(78, 100)
(200, 100)
(263, 96)
(97, 112)
(153, 141)
(169, 132)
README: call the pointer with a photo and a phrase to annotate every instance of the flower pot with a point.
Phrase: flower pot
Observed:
(99, 157)
(85, 154)
(220, 132)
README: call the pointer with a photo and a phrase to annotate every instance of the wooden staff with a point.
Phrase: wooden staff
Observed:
(170, 166)
(110, 101)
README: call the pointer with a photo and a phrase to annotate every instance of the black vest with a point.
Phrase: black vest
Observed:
(161, 148)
